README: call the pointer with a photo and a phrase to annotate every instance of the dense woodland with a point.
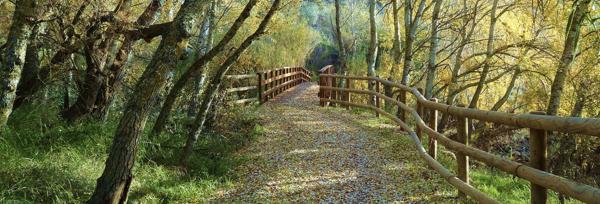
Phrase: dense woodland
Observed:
(103, 101)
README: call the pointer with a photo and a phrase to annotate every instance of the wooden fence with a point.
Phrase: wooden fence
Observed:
(539, 124)
(267, 84)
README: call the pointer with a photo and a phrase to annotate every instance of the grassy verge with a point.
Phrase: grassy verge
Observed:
(43, 160)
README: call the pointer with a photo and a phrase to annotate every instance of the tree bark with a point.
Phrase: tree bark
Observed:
(340, 39)
(13, 59)
(373, 49)
(197, 68)
(458, 59)
(488, 57)
(97, 54)
(509, 90)
(434, 41)
(576, 18)
(113, 185)
(215, 84)
(206, 43)
(397, 50)
(115, 72)
(31, 85)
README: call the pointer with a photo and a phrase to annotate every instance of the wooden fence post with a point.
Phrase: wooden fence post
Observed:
(402, 99)
(420, 113)
(334, 93)
(462, 160)
(433, 117)
(348, 81)
(321, 90)
(538, 144)
(377, 98)
(259, 87)
(271, 82)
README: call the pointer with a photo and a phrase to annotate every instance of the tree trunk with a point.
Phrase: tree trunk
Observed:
(488, 57)
(397, 49)
(509, 89)
(576, 18)
(31, 85)
(97, 54)
(197, 68)
(14, 56)
(464, 39)
(215, 84)
(432, 65)
(340, 39)
(372, 53)
(113, 185)
(206, 43)
(115, 73)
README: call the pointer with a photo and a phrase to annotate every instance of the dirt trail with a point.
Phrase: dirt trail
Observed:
(310, 153)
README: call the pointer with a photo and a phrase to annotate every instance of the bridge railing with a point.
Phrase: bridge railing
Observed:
(242, 85)
(539, 124)
(268, 83)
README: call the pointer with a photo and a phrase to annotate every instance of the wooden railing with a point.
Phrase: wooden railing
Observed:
(274, 82)
(243, 86)
(267, 84)
(539, 124)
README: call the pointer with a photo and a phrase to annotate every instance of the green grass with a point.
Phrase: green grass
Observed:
(43, 160)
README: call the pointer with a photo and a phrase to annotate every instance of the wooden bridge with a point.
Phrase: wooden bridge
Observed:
(425, 116)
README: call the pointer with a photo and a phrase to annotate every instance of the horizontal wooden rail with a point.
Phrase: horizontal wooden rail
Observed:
(241, 76)
(238, 89)
(538, 178)
(585, 126)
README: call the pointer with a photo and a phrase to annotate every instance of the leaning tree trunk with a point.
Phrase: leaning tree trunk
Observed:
(96, 54)
(410, 27)
(508, 91)
(206, 43)
(13, 58)
(464, 39)
(115, 72)
(434, 41)
(372, 54)
(113, 185)
(215, 84)
(488, 57)
(197, 68)
(566, 143)
(568, 56)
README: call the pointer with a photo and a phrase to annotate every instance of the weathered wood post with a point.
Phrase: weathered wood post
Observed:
(259, 87)
(271, 83)
(402, 99)
(433, 118)
(334, 93)
(538, 144)
(347, 93)
(462, 160)
(377, 98)
(321, 90)
(419, 109)
(387, 91)
(277, 81)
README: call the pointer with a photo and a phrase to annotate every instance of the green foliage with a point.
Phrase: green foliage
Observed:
(44, 160)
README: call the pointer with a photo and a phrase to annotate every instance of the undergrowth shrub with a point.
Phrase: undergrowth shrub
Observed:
(44, 160)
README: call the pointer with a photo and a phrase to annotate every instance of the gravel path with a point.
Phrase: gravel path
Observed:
(314, 154)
